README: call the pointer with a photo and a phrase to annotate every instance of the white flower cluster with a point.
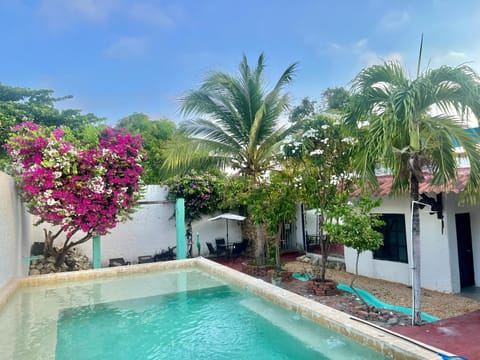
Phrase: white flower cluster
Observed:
(310, 134)
(337, 179)
(97, 185)
(316, 152)
(349, 140)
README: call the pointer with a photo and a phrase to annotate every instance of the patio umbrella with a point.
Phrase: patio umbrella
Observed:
(228, 216)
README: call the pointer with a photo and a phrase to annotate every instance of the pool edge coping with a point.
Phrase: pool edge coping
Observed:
(385, 342)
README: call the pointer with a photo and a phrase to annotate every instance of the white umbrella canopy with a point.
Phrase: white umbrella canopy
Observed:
(228, 216)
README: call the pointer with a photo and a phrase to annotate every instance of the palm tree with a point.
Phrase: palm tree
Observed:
(411, 127)
(236, 124)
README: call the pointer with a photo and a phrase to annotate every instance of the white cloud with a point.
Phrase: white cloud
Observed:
(394, 20)
(370, 58)
(360, 44)
(63, 13)
(127, 47)
(365, 55)
(151, 14)
(450, 58)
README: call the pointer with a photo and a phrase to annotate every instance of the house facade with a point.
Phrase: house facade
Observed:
(449, 238)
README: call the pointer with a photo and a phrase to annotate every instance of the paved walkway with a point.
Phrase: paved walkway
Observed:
(458, 335)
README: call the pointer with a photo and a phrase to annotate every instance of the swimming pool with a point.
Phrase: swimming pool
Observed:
(186, 313)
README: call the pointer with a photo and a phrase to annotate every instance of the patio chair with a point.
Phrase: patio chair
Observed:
(145, 259)
(117, 262)
(239, 248)
(211, 249)
(221, 247)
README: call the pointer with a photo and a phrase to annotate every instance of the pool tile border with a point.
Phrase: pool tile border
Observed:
(383, 342)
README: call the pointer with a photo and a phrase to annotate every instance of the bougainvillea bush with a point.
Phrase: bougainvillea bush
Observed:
(86, 190)
(202, 193)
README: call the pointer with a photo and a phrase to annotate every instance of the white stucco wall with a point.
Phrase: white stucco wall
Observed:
(14, 228)
(151, 230)
(435, 250)
(311, 221)
(454, 207)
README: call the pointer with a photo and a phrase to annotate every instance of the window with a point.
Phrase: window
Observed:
(394, 246)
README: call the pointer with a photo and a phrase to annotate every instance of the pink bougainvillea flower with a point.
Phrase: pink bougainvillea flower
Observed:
(88, 189)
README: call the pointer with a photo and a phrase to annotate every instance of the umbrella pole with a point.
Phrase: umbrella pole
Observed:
(227, 230)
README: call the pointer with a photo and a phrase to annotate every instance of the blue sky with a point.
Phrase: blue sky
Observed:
(117, 57)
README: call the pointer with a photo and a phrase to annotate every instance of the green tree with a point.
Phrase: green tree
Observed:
(321, 156)
(273, 204)
(18, 104)
(155, 133)
(306, 110)
(237, 123)
(336, 98)
(357, 228)
(408, 129)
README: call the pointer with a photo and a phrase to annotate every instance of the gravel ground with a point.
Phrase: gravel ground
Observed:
(435, 303)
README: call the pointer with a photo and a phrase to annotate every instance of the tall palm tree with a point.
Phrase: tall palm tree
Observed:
(236, 124)
(411, 127)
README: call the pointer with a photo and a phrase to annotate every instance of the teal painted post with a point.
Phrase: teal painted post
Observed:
(180, 224)
(96, 252)
(198, 243)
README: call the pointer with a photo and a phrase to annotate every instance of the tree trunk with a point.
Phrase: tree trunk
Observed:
(416, 258)
(278, 265)
(260, 249)
(353, 279)
(60, 258)
(49, 249)
(324, 247)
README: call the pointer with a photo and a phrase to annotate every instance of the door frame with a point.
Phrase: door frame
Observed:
(466, 266)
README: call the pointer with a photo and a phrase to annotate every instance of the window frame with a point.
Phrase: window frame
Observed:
(394, 246)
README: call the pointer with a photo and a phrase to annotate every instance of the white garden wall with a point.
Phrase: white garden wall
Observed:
(14, 228)
(152, 229)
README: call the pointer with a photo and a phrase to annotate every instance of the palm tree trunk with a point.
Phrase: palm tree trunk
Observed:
(260, 249)
(278, 236)
(416, 284)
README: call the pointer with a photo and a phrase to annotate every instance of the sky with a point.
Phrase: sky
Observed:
(117, 57)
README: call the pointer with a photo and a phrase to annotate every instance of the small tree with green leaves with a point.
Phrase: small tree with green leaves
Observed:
(321, 157)
(270, 204)
(273, 204)
(357, 228)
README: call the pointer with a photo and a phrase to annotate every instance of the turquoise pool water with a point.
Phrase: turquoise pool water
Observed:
(176, 315)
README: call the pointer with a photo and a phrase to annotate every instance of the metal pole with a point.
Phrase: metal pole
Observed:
(180, 225)
(413, 262)
(227, 230)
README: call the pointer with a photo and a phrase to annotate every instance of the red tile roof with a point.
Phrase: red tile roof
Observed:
(385, 184)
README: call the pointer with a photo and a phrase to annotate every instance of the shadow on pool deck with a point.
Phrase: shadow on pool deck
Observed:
(458, 335)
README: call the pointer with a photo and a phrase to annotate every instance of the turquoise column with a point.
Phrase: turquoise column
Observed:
(198, 243)
(180, 224)
(96, 252)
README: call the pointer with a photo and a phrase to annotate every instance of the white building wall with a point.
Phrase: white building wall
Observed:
(311, 221)
(14, 228)
(434, 250)
(454, 207)
(152, 229)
